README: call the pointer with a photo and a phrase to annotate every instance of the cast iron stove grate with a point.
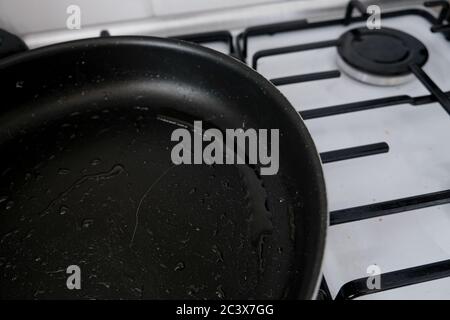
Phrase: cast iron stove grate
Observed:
(407, 63)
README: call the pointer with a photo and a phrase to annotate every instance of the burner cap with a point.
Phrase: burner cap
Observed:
(384, 53)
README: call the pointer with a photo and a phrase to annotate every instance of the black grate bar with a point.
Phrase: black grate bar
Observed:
(442, 22)
(306, 77)
(290, 49)
(324, 293)
(441, 28)
(104, 34)
(354, 152)
(396, 279)
(440, 96)
(426, 99)
(304, 25)
(389, 207)
(208, 37)
(367, 105)
(445, 7)
(354, 107)
(354, 4)
(267, 29)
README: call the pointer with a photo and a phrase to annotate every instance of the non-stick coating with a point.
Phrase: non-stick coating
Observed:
(87, 179)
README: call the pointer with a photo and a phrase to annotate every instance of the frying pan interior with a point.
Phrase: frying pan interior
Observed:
(87, 178)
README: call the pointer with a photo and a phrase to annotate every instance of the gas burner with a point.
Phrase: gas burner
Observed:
(380, 57)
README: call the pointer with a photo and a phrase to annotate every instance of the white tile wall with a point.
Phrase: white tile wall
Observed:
(30, 16)
(27, 16)
(163, 7)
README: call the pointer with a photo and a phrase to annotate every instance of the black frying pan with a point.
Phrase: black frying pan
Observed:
(86, 178)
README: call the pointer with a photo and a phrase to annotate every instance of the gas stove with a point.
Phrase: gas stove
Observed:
(377, 104)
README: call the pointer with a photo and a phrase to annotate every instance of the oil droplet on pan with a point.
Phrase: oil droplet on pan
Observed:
(9, 205)
(180, 266)
(63, 210)
(87, 223)
(219, 292)
(63, 171)
(3, 198)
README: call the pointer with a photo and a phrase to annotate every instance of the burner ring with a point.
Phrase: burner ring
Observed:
(382, 53)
